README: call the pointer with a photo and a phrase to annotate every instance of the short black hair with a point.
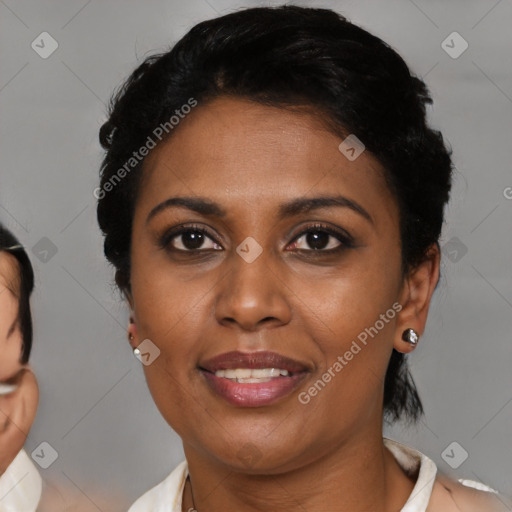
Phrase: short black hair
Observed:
(10, 244)
(289, 56)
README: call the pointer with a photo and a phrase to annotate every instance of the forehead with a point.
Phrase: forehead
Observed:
(247, 153)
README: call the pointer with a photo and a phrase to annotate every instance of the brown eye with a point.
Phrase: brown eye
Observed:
(322, 238)
(189, 239)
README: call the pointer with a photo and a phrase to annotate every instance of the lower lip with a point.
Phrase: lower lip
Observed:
(253, 394)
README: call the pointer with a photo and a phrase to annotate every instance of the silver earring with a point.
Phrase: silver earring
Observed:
(410, 336)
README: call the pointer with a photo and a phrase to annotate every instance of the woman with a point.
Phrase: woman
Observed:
(272, 199)
(20, 483)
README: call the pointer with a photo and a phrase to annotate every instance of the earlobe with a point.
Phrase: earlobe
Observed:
(416, 295)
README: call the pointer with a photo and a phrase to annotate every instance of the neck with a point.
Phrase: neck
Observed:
(357, 476)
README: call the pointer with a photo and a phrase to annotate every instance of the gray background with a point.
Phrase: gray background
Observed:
(95, 409)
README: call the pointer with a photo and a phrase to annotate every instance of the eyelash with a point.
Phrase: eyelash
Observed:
(346, 241)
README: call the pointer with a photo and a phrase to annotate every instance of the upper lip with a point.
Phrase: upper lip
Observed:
(252, 360)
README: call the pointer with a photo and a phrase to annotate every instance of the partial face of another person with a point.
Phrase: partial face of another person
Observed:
(244, 276)
(19, 390)
(10, 331)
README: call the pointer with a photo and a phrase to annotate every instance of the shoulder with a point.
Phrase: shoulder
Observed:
(439, 493)
(166, 496)
(20, 485)
(467, 496)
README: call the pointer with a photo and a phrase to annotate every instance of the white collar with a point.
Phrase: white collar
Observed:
(167, 496)
(411, 460)
(20, 485)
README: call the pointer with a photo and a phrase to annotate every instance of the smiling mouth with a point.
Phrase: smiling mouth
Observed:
(252, 379)
(252, 375)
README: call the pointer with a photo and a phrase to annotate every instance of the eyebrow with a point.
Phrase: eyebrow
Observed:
(11, 330)
(207, 207)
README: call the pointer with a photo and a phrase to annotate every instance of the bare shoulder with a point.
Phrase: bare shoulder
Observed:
(450, 495)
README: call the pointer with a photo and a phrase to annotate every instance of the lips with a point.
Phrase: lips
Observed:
(236, 359)
(252, 379)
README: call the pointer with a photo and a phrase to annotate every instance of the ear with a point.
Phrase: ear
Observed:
(132, 326)
(133, 335)
(415, 295)
(17, 413)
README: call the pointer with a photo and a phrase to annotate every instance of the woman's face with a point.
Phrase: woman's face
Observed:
(10, 333)
(255, 291)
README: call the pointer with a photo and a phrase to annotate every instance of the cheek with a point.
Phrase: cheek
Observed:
(173, 314)
(167, 308)
(346, 304)
(11, 353)
(10, 348)
(353, 325)
(348, 384)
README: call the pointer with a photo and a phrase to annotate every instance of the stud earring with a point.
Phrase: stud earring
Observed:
(130, 336)
(410, 336)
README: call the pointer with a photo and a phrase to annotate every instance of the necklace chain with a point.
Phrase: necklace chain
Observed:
(194, 509)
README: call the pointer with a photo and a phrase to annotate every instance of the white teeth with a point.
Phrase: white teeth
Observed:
(258, 373)
(238, 373)
(251, 375)
(253, 381)
(5, 389)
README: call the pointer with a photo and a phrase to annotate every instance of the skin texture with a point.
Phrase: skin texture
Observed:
(292, 300)
(17, 409)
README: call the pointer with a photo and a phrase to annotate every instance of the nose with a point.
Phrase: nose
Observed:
(252, 295)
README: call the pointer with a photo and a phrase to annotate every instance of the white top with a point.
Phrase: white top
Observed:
(20, 485)
(167, 496)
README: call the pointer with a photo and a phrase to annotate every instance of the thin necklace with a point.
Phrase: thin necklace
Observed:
(191, 496)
